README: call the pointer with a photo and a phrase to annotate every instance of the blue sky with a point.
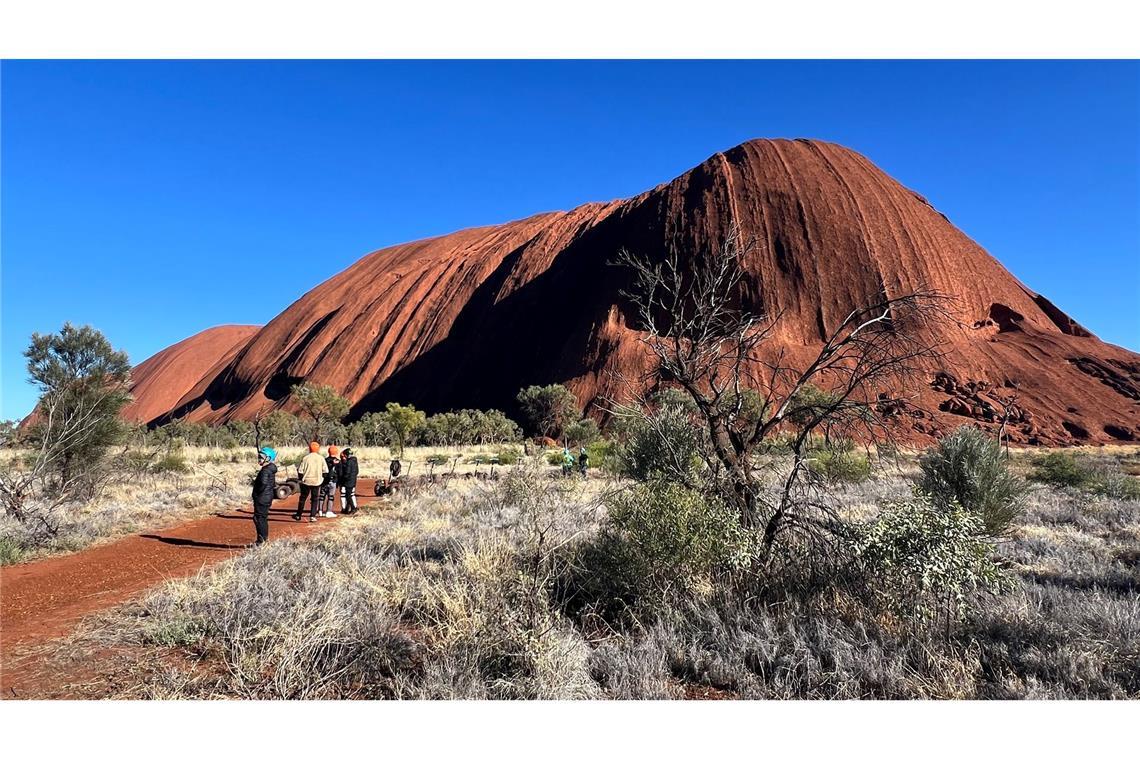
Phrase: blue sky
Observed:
(155, 199)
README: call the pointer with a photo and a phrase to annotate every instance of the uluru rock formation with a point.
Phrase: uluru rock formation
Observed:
(466, 319)
(160, 382)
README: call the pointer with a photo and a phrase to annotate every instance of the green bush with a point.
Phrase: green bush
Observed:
(664, 444)
(172, 462)
(668, 536)
(136, 462)
(581, 433)
(808, 403)
(1061, 469)
(1116, 485)
(508, 455)
(925, 558)
(839, 466)
(967, 467)
(603, 455)
(10, 551)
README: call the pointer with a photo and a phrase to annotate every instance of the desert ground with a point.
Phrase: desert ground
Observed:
(480, 586)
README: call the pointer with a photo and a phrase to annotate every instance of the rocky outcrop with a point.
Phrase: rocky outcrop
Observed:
(465, 319)
(159, 383)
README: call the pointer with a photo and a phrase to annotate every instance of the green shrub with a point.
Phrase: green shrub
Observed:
(603, 455)
(437, 459)
(1116, 485)
(1060, 469)
(554, 458)
(664, 444)
(508, 455)
(10, 551)
(668, 536)
(924, 558)
(840, 466)
(829, 443)
(780, 443)
(581, 433)
(171, 462)
(967, 467)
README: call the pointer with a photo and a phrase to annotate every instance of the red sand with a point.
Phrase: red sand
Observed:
(45, 599)
(466, 319)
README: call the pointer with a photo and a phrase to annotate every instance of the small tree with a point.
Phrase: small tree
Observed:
(548, 408)
(323, 405)
(9, 432)
(499, 428)
(665, 443)
(400, 422)
(84, 384)
(277, 428)
(241, 431)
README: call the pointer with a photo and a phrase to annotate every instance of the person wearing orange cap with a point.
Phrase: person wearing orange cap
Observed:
(311, 471)
(328, 487)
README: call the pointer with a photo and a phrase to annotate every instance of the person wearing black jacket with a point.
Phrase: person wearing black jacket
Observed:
(346, 476)
(328, 488)
(263, 487)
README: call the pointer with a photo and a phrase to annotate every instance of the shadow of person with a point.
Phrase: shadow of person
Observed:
(190, 542)
(276, 516)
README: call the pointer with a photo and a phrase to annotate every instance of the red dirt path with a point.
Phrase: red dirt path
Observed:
(45, 599)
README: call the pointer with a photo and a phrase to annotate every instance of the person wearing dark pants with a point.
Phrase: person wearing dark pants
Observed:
(311, 494)
(348, 471)
(328, 488)
(263, 486)
(311, 472)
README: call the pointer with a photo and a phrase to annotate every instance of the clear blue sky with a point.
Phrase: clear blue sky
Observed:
(155, 199)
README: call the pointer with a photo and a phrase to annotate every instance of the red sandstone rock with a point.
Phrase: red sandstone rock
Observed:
(158, 383)
(466, 319)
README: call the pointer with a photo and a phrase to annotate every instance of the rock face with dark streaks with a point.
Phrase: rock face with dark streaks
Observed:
(159, 383)
(466, 319)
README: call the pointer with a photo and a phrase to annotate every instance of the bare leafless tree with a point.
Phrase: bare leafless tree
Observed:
(721, 353)
(1009, 411)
